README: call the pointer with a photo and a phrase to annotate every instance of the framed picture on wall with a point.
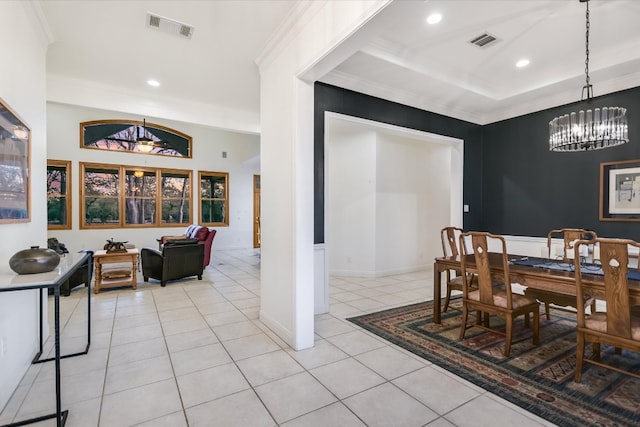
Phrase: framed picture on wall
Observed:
(15, 142)
(620, 191)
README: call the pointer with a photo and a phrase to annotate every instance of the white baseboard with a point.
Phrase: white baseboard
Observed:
(378, 273)
(285, 334)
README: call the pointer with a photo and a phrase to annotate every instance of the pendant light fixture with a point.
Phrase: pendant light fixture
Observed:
(591, 129)
(145, 144)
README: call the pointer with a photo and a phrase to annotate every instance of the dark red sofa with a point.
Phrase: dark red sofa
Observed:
(203, 234)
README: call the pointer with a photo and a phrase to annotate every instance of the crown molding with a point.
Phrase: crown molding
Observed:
(559, 98)
(554, 97)
(288, 30)
(389, 93)
(39, 20)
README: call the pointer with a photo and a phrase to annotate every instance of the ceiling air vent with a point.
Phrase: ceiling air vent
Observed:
(483, 40)
(169, 26)
(154, 21)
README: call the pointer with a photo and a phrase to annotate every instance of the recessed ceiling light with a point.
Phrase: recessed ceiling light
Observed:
(522, 63)
(153, 83)
(434, 18)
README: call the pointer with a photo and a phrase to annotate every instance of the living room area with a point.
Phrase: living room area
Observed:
(214, 151)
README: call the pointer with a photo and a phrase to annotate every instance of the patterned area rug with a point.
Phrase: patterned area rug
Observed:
(536, 378)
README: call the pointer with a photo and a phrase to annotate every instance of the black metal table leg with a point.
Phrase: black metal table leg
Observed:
(36, 358)
(60, 415)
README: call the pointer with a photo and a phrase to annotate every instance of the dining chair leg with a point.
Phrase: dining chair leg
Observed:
(447, 299)
(527, 323)
(546, 310)
(596, 351)
(463, 326)
(579, 357)
(507, 338)
(536, 327)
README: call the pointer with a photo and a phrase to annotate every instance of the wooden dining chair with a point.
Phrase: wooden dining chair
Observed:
(491, 299)
(450, 241)
(569, 236)
(617, 325)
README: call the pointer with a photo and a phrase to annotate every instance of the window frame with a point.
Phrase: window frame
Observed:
(122, 196)
(161, 199)
(126, 196)
(132, 145)
(67, 194)
(207, 174)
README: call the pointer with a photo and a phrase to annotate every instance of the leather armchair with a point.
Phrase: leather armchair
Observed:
(202, 234)
(178, 259)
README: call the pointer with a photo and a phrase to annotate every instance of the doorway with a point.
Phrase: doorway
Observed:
(388, 192)
(256, 211)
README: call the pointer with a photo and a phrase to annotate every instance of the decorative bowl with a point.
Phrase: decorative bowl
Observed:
(34, 260)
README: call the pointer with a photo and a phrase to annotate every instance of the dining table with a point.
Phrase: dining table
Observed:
(548, 275)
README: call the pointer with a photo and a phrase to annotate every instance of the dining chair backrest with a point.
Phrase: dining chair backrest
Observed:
(480, 242)
(618, 325)
(449, 237)
(569, 236)
(614, 259)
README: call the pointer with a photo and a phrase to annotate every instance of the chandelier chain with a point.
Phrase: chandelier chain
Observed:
(586, 47)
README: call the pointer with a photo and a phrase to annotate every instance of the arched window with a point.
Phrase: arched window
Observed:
(134, 136)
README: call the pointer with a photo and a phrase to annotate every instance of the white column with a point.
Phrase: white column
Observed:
(287, 273)
(286, 156)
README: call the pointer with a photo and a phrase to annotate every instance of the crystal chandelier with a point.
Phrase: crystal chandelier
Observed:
(588, 130)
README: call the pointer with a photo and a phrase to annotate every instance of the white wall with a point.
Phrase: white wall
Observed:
(443, 184)
(208, 144)
(22, 87)
(350, 165)
(402, 201)
(389, 192)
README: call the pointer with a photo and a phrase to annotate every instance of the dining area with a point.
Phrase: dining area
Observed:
(578, 272)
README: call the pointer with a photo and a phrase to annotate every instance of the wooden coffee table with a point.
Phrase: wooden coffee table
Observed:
(115, 269)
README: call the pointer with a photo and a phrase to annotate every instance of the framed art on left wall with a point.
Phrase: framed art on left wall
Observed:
(15, 146)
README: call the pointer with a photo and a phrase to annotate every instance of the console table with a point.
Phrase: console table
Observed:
(51, 280)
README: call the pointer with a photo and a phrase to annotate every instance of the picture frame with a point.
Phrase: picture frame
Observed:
(15, 157)
(620, 191)
(133, 136)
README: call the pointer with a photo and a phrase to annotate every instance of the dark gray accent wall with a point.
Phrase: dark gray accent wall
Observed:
(338, 100)
(528, 190)
(513, 183)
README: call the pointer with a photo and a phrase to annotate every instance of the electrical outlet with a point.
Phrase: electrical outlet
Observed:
(465, 208)
(3, 346)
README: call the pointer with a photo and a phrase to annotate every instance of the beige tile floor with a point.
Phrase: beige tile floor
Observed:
(195, 354)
